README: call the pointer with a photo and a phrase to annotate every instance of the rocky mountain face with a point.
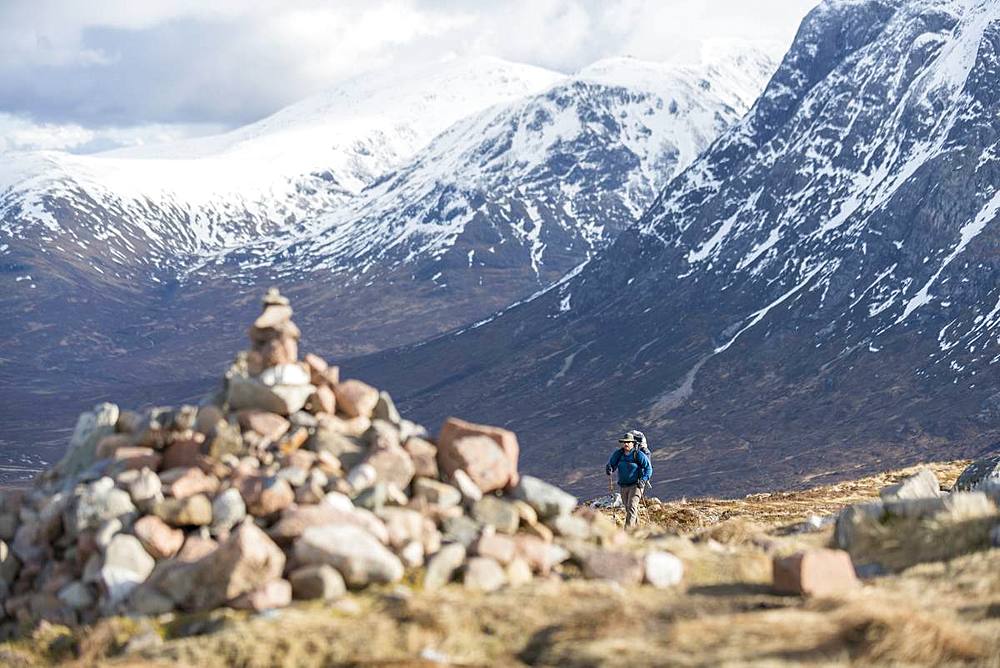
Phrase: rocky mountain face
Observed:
(816, 296)
(392, 208)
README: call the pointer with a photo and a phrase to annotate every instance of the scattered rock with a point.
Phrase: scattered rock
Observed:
(535, 552)
(181, 483)
(451, 456)
(621, 567)
(126, 565)
(183, 454)
(225, 440)
(361, 477)
(269, 426)
(461, 529)
(385, 409)
(295, 520)
(483, 574)
(157, 538)
(662, 569)
(443, 565)
(129, 458)
(250, 393)
(77, 596)
(436, 493)
(100, 501)
(923, 484)
(423, 453)
(954, 507)
(403, 525)
(815, 572)
(979, 471)
(547, 500)
(317, 582)
(147, 600)
(9, 564)
(355, 398)
(500, 548)
(518, 573)
(270, 595)
(470, 491)
(571, 526)
(91, 427)
(392, 465)
(321, 373)
(228, 510)
(145, 490)
(359, 557)
(348, 451)
(323, 400)
(245, 562)
(498, 513)
(191, 511)
(266, 495)
(855, 518)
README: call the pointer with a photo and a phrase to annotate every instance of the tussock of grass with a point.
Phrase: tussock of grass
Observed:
(879, 632)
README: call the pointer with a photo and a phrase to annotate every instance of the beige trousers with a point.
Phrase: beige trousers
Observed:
(631, 494)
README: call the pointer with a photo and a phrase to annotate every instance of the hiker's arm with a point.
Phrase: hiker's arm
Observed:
(616, 457)
(647, 469)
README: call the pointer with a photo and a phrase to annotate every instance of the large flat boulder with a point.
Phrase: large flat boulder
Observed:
(357, 555)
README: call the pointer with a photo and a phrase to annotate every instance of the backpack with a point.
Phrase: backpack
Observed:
(644, 447)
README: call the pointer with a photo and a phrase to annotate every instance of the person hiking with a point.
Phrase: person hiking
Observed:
(634, 470)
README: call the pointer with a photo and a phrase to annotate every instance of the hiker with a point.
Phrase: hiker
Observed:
(634, 471)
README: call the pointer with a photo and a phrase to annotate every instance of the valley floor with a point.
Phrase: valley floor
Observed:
(726, 614)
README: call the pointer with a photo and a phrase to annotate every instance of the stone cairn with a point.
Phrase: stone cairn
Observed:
(288, 483)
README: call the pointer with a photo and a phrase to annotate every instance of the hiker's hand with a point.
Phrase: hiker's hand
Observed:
(607, 469)
(642, 485)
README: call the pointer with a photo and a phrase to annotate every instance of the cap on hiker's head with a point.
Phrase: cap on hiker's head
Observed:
(627, 438)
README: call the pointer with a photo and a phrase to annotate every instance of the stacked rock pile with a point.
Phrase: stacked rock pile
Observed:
(288, 483)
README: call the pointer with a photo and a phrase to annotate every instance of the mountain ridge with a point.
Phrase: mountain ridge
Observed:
(752, 317)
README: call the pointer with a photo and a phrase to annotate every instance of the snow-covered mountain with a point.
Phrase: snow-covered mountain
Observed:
(391, 209)
(508, 200)
(818, 294)
(204, 195)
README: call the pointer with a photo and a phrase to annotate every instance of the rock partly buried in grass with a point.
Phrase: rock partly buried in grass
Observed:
(198, 507)
(901, 532)
(662, 569)
(815, 572)
(483, 574)
(978, 473)
(923, 484)
(317, 582)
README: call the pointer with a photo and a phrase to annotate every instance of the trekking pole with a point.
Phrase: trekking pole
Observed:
(611, 492)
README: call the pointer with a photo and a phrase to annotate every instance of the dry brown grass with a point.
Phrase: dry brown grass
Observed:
(777, 509)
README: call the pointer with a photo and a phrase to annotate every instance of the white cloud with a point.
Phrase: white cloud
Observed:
(124, 70)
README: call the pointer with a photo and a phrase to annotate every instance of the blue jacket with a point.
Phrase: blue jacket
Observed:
(632, 467)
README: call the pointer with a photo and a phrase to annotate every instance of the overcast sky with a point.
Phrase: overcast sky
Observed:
(87, 75)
